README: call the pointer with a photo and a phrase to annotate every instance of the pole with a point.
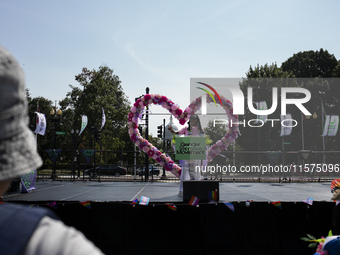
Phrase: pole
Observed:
(323, 138)
(55, 137)
(54, 148)
(147, 138)
(36, 119)
(74, 153)
(36, 135)
(234, 162)
(94, 152)
(101, 148)
(303, 138)
(259, 147)
(134, 162)
(163, 146)
(283, 150)
(302, 133)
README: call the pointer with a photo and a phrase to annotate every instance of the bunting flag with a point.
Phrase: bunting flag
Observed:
(86, 204)
(212, 195)
(308, 201)
(331, 125)
(273, 156)
(103, 119)
(171, 206)
(87, 154)
(229, 205)
(41, 124)
(53, 205)
(261, 106)
(194, 201)
(335, 185)
(83, 123)
(144, 200)
(277, 204)
(134, 202)
(27, 182)
(286, 124)
(53, 153)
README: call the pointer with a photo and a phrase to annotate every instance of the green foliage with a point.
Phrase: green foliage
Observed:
(311, 64)
(336, 71)
(97, 89)
(261, 80)
(268, 71)
(311, 237)
(306, 239)
(214, 134)
(100, 89)
(267, 137)
(312, 245)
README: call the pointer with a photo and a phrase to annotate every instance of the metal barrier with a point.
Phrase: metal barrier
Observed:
(66, 173)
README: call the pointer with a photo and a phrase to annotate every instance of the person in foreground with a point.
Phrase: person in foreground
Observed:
(25, 230)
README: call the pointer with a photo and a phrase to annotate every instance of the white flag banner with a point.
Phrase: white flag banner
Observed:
(261, 106)
(41, 124)
(286, 124)
(325, 128)
(331, 125)
(83, 123)
(103, 119)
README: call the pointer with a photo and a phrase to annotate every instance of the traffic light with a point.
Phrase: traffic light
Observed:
(160, 131)
(99, 135)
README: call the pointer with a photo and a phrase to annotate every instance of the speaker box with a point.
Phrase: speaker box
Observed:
(204, 190)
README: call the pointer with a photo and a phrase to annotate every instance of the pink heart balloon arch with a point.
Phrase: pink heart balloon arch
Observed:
(183, 116)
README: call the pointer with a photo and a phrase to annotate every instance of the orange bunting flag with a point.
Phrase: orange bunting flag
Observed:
(277, 204)
(171, 206)
(86, 204)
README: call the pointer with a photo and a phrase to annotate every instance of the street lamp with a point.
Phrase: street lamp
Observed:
(55, 118)
(314, 116)
(75, 146)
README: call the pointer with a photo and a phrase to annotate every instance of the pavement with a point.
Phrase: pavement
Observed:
(167, 192)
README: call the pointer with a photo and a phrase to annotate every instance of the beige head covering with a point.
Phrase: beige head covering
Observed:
(18, 152)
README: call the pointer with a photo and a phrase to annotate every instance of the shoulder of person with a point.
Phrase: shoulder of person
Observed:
(18, 223)
(54, 237)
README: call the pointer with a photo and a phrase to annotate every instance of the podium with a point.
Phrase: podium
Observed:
(204, 190)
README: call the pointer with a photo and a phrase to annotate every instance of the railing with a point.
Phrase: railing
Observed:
(65, 172)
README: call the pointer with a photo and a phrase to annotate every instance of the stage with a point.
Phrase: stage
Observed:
(117, 227)
(167, 192)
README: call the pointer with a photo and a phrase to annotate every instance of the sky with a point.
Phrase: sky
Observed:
(159, 44)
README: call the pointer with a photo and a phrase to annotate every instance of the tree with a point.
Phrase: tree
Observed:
(317, 64)
(336, 71)
(311, 64)
(214, 134)
(262, 79)
(268, 71)
(101, 89)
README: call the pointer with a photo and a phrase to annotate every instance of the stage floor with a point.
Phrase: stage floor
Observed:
(167, 192)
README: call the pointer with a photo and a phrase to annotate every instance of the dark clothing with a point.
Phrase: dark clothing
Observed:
(17, 224)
